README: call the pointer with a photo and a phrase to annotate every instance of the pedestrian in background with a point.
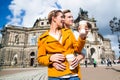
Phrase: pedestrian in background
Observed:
(86, 63)
(94, 63)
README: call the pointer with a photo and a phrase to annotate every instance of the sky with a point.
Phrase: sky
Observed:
(25, 12)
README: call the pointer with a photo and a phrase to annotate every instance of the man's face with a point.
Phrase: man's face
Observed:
(68, 19)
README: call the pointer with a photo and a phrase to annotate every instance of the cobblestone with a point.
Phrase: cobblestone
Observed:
(29, 74)
(101, 72)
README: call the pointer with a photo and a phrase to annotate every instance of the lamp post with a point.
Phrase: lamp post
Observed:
(115, 27)
(119, 41)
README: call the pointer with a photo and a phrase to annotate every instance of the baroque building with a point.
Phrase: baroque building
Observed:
(19, 44)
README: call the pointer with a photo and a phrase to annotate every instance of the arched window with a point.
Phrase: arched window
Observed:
(92, 51)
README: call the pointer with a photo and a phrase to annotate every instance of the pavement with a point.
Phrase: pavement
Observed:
(24, 74)
(101, 72)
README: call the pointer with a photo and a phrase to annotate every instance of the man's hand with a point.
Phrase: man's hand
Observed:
(77, 60)
(59, 58)
(83, 29)
(83, 33)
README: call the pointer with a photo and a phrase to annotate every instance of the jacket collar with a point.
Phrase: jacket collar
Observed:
(65, 35)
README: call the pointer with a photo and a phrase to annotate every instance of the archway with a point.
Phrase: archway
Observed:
(32, 58)
(92, 50)
(14, 60)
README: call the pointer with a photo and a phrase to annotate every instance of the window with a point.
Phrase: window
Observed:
(87, 46)
(17, 39)
(42, 23)
(47, 22)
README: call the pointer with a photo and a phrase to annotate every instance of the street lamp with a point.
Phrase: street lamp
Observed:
(119, 41)
(115, 27)
(119, 44)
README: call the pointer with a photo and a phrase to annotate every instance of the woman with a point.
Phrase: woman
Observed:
(54, 45)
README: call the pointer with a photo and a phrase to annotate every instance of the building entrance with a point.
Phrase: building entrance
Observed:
(32, 58)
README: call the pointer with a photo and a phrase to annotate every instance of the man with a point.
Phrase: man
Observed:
(68, 22)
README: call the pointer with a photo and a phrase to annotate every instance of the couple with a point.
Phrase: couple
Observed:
(59, 41)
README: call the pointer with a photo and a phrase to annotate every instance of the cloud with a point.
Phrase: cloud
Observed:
(25, 12)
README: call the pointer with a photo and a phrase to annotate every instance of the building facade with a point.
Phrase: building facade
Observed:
(19, 44)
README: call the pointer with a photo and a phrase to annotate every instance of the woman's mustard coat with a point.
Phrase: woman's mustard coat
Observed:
(47, 45)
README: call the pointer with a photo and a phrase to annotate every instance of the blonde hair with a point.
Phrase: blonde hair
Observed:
(53, 13)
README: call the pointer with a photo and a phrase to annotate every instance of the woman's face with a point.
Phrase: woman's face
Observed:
(59, 19)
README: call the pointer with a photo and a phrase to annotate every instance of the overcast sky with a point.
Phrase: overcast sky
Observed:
(25, 13)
